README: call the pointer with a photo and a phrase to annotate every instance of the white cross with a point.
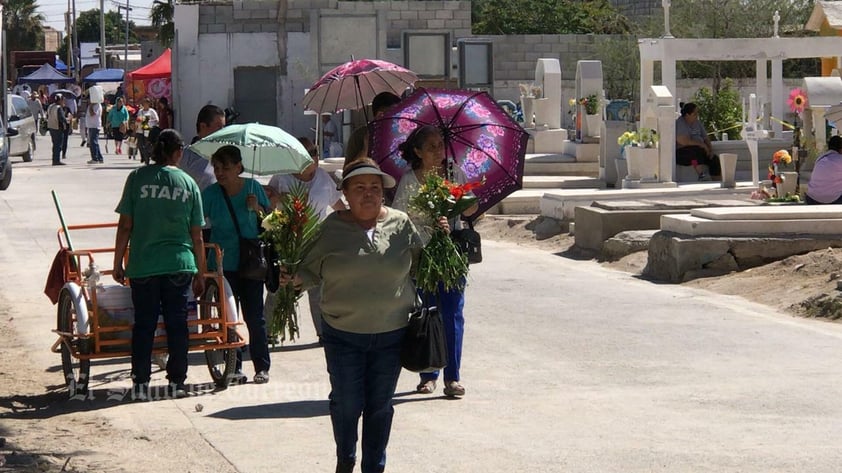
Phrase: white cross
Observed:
(777, 18)
(666, 5)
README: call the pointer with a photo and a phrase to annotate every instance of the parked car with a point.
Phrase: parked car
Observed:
(21, 119)
(5, 164)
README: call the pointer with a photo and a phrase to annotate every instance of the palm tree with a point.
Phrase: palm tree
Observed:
(162, 18)
(24, 26)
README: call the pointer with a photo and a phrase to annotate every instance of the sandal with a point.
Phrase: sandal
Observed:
(262, 377)
(454, 389)
(426, 387)
(238, 378)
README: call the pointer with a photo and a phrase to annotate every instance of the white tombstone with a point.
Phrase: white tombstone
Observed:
(822, 93)
(548, 76)
(752, 132)
(658, 113)
(588, 82)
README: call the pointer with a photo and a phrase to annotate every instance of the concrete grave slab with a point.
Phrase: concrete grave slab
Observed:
(690, 225)
(771, 212)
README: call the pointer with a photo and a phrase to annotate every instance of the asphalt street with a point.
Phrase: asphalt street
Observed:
(569, 367)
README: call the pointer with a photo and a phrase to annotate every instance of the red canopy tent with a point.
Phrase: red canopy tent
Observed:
(158, 69)
(152, 80)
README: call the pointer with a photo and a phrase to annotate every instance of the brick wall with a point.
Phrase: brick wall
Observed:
(240, 16)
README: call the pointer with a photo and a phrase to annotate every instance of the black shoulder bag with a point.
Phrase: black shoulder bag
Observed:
(469, 243)
(424, 348)
(254, 264)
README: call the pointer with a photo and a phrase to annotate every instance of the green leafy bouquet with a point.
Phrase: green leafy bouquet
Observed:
(441, 261)
(291, 229)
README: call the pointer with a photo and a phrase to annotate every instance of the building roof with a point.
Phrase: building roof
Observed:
(825, 9)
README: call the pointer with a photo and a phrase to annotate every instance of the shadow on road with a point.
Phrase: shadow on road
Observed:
(280, 410)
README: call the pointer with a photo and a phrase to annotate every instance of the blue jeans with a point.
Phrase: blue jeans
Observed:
(249, 296)
(93, 144)
(450, 304)
(57, 137)
(166, 294)
(364, 371)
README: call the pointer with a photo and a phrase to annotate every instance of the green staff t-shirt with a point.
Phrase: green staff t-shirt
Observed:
(164, 202)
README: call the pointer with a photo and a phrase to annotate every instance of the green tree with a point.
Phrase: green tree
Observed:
(87, 27)
(720, 111)
(546, 17)
(161, 15)
(23, 25)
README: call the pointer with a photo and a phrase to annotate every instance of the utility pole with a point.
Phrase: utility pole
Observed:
(102, 34)
(77, 72)
(126, 52)
(69, 37)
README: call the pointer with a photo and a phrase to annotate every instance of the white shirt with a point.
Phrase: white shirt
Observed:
(321, 189)
(95, 120)
(151, 113)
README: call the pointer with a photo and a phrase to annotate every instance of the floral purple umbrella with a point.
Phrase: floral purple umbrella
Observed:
(479, 136)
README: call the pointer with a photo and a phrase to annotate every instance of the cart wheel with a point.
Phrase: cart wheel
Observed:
(76, 371)
(221, 363)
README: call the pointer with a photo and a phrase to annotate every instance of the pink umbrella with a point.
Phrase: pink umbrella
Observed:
(354, 84)
(479, 136)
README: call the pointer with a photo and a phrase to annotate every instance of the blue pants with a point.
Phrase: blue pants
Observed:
(166, 294)
(450, 304)
(57, 137)
(249, 296)
(364, 371)
(93, 144)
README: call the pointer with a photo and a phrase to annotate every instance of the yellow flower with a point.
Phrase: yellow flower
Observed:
(571, 102)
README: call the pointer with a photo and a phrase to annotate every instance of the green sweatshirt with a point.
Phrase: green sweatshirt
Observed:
(366, 284)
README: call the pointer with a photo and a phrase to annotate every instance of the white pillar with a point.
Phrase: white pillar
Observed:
(668, 74)
(647, 79)
(777, 96)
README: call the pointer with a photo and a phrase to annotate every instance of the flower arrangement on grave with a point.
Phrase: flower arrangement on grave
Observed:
(441, 261)
(797, 101)
(643, 138)
(291, 229)
(780, 158)
(591, 104)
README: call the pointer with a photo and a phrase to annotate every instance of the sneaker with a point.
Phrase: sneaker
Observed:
(59, 164)
(93, 161)
(84, 143)
(177, 390)
(140, 392)
(262, 377)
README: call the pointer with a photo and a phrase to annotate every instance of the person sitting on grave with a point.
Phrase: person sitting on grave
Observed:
(825, 185)
(692, 145)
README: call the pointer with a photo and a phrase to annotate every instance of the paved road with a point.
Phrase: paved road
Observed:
(568, 367)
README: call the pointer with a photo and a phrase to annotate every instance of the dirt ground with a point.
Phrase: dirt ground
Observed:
(40, 431)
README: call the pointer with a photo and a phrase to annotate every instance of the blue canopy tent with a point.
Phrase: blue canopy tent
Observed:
(60, 65)
(105, 75)
(45, 74)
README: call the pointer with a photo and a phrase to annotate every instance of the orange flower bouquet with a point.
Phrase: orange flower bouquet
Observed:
(291, 229)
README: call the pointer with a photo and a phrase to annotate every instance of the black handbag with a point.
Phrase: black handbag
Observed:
(469, 243)
(254, 263)
(424, 348)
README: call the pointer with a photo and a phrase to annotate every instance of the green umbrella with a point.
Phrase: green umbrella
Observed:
(265, 149)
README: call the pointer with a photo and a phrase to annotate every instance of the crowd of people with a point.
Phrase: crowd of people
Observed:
(358, 274)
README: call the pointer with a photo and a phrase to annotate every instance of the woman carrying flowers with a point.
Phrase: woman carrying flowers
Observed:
(362, 259)
(424, 150)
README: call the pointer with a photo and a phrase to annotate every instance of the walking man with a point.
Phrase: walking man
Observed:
(93, 117)
(56, 123)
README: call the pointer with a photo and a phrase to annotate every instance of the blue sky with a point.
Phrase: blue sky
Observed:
(54, 10)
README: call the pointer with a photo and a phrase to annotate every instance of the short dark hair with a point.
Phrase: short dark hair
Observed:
(207, 114)
(383, 101)
(688, 108)
(228, 154)
(835, 143)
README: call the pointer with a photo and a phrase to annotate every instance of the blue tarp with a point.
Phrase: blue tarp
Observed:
(105, 75)
(45, 74)
(60, 65)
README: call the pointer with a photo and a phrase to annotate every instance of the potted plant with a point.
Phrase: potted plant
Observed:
(590, 105)
(527, 104)
(641, 151)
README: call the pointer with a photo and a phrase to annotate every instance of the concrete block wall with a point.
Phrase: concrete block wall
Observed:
(401, 15)
(240, 16)
(638, 9)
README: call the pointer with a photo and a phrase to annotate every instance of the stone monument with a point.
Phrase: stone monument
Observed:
(548, 136)
(588, 83)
